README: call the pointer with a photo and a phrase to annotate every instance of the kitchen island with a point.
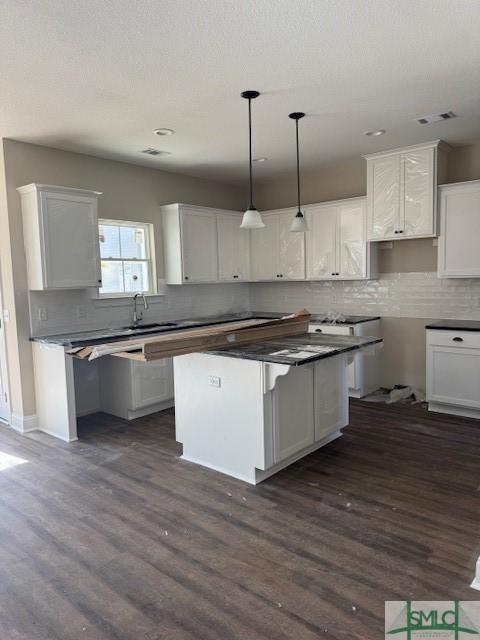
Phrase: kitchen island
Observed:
(250, 410)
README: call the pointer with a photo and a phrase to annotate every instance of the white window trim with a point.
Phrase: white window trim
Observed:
(150, 260)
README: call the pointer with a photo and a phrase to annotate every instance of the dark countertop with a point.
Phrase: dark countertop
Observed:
(455, 325)
(112, 334)
(101, 336)
(263, 349)
(322, 318)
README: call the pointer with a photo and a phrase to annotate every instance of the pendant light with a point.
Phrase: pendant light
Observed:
(251, 218)
(299, 224)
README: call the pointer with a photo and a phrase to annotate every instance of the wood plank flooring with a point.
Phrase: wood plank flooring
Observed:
(114, 537)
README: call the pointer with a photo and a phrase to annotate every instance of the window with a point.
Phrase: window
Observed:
(126, 257)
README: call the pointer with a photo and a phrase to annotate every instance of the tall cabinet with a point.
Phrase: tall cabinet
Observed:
(401, 191)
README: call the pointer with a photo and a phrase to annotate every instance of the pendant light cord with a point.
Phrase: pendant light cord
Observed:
(298, 166)
(251, 206)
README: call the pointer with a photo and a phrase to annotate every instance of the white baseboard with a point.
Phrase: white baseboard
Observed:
(24, 424)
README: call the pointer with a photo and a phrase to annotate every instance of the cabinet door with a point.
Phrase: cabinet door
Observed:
(417, 197)
(291, 249)
(331, 396)
(453, 376)
(458, 247)
(70, 241)
(352, 254)
(383, 194)
(233, 249)
(264, 250)
(293, 418)
(152, 382)
(321, 242)
(199, 245)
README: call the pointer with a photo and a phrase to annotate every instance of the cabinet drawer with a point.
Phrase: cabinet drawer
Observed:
(339, 330)
(467, 339)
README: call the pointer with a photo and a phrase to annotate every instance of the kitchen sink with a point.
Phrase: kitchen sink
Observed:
(147, 328)
(155, 325)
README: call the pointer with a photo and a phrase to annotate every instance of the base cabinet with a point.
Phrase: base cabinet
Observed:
(453, 372)
(130, 389)
(363, 373)
(258, 417)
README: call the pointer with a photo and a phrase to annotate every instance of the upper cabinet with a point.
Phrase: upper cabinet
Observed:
(458, 246)
(233, 248)
(275, 252)
(60, 230)
(401, 191)
(336, 242)
(189, 244)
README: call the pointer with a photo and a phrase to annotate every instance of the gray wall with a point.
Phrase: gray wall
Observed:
(130, 192)
(403, 358)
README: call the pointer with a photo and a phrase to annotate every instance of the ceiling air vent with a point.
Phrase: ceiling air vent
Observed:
(436, 117)
(154, 152)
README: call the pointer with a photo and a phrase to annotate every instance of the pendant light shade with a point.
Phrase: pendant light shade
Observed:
(251, 218)
(299, 224)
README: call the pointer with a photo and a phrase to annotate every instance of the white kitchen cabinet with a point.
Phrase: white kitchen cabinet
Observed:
(60, 230)
(321, 242)
(336, 246)
(259, 417)
(233, 248)
(293, 422)
(131, 389)
(277, 253)
(363, 373)
(190, 244)
(291, 248)
(401, 191)
(453, 372)
(459, 242)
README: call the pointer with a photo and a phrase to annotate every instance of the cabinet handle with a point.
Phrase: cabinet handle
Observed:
(333, 273)
(186, 277)
(400, 231)
(318, 331)
(337, 274)
(457, 339)
(235, 276)
(396, 232)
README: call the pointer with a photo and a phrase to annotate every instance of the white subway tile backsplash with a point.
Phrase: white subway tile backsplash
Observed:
(409, 295)
(179, 302)
(401, 295)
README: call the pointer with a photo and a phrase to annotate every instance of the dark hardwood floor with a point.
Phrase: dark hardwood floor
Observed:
(115, 537)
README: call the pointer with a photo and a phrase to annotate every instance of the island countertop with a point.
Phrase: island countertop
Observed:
(296, 350)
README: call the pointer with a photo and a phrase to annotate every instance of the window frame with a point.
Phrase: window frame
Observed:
(149, 259)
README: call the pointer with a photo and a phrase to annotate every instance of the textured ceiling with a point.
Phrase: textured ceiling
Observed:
(97, 76)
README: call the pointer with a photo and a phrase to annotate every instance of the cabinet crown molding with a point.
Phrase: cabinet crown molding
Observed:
(34, 186)
(453, 186)
(433, 144)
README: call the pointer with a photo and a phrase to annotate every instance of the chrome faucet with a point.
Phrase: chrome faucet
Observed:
(136, 315)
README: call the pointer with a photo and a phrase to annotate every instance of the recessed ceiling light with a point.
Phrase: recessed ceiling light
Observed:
(164, 132)
(374, 132)
(260, 159)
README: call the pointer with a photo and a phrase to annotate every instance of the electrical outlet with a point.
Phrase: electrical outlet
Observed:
(42, 314)
(214, 381)
(6, 315)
